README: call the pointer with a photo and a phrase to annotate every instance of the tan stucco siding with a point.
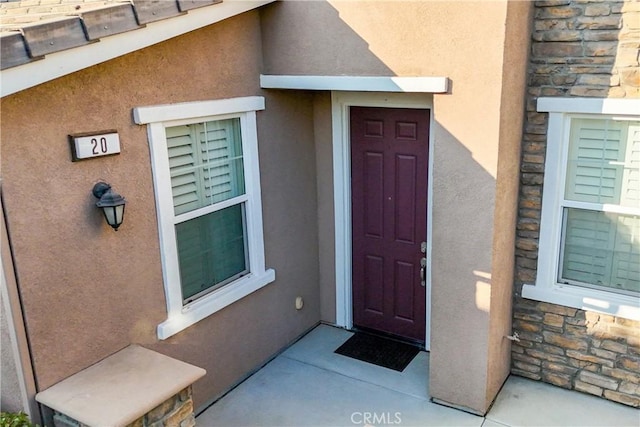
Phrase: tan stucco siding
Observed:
(467, 138)
(475, 155)
(89, 291)
(404, 38)
(516, 50)
(326, 208)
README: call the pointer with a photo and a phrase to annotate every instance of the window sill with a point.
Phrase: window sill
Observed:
(213, 302)
(624, 306)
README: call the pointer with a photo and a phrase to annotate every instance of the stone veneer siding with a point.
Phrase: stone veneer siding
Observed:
(587, 49)
(177, 411)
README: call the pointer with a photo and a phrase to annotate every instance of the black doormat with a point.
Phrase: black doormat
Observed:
(378, 350)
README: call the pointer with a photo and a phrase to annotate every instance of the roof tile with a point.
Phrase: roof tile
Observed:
(30, 29)
(14, 51)
(193, 4)
(54, 36)
(155, 10)
(108, 21)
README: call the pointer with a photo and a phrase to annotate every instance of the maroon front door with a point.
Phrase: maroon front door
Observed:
(389, 159)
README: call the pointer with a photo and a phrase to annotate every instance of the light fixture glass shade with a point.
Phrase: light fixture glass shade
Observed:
(114, 215)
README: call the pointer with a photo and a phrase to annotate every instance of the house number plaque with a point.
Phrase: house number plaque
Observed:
(89, 145)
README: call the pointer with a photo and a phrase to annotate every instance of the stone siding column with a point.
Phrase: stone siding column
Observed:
(586, 49)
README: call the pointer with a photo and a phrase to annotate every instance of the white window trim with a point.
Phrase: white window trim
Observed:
(547, 288)
(157, 118)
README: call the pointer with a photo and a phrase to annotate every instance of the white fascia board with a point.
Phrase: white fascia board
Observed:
(187, 110)
(622, 106)
(66, 62)
(357, 83)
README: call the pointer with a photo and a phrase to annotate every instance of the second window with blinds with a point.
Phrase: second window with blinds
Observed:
(600, 244)
(589, 247)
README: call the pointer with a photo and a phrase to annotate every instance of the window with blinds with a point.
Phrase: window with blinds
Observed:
(206, 177)
(207, 184)
(600, 245)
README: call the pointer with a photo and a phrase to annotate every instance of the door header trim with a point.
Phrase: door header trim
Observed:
(357, 83)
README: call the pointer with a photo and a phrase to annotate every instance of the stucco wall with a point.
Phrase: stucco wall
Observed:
(326, 217)
(89, 291)
(475, 144)
(516, 52)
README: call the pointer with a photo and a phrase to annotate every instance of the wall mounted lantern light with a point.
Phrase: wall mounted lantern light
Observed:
(112, 204)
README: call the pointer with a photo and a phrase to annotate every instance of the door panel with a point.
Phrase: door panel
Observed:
(373, 199)
(405, 206)
(389, 159)
(374, 292)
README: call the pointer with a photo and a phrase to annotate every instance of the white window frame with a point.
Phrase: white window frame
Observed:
(547, 288)
(159, 117)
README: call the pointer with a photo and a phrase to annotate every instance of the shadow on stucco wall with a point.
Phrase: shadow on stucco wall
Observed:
(327, 45)
(434, 38)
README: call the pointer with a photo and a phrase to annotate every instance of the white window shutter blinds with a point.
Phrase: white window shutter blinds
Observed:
(626, 256)
(626, 260)
(193, 247)
(183, 164)
(205, 161)
(596, 161)
(206, 167)
(220, 148)
(588, 241)
(600, 248)
(211, 249)
(631, 177)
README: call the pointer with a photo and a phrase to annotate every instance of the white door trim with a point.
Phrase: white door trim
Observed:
(357, 83)
(340, 103)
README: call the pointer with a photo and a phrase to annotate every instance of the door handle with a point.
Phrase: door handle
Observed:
(423, 271)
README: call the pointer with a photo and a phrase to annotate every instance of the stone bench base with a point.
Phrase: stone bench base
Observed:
(176, 411)
(129, 388)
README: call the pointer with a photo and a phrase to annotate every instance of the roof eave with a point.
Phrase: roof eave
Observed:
(65, 62)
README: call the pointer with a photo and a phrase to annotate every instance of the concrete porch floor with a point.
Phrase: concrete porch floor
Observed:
(309, 385)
